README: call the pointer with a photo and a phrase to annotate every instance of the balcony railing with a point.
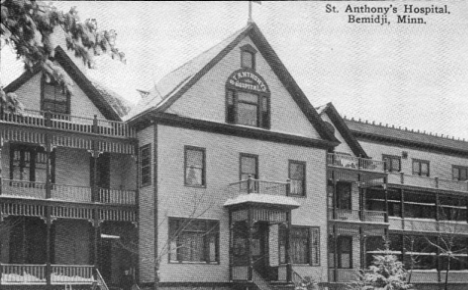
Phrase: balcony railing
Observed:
(69, 123)
(428, 182)
(259, 186)
(355, 163)
(348, 215)
(16, 274)
(37, 190)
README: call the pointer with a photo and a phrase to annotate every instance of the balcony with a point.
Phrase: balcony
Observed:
(348, 162)
(69, 123)
(357, 216)
(21, 274)
(261, 192)
(427, 225)
(37, 190)
(427, 182)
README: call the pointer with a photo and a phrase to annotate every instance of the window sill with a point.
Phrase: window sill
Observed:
(297, 195)
(195, 186)
(194, 263)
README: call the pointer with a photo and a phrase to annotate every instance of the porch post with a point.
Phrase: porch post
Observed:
(288, 248)
(386, 206)
(335, 198)
(48, 245)
(335, 256)
(362, 237)
(230, 245)
(249, 243)
(96, 237)
(49, 148)
(402, 206)
(1, 162)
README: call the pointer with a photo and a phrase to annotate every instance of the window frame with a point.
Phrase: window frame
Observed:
(311, 230)
(253, 52)
(391, 159)
(241, 155)
(338, 241)
(349, 204)
(304, 179)
(67, 95)
(421, 161)
(263, 117)
(150, 156)
(199, 149)
(459, 168)
(33, 150)
(205, 234)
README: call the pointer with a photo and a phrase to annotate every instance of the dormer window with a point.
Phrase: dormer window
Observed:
(55, 98)
(248, 57)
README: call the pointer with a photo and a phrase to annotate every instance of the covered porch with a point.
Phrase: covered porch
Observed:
(260, 225)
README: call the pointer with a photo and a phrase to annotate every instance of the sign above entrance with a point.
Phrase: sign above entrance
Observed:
(246, 79)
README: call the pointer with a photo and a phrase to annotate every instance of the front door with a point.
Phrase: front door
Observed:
(260, 250)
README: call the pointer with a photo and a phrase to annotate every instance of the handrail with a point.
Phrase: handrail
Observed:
(355, 163)
(101, 283)
(297, 279)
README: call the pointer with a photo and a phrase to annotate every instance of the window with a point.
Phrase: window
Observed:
(55, 98)
(145, 165)
(194, 166)
(393, 163)
(305, 245)
(344, 247)
(343, 190)
(459, 173)
(297, 172)
(248, 108)
(248, 57)
(420, 167)
(249, 168)
(193, 240)
(28, 163)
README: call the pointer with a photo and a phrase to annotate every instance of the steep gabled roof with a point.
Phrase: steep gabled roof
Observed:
(175, 84)
(108, 103)
(341, 126)
(407, 138)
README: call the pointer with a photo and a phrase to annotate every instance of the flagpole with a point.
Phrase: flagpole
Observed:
(250, 12)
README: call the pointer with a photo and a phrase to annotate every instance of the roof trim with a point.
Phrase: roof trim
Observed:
(344, 130)
(232, 130)
(77, 75)
(278, 67)
(409, 144)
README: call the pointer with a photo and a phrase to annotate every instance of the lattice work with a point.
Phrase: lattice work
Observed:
(21, 209)
(117, 215)
(72, 213)
(22, 136)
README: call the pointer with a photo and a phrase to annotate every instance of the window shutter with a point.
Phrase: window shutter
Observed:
(230, 106)
(265, 113)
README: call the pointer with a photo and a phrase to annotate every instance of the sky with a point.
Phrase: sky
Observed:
(407, 75)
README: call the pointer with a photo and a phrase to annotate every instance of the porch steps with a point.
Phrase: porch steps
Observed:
(260, 282)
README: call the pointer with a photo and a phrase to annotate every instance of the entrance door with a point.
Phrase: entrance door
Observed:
(260, 250)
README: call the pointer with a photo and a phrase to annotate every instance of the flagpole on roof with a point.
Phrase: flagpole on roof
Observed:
(250, 10)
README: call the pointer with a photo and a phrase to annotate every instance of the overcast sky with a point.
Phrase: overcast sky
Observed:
(413, 76)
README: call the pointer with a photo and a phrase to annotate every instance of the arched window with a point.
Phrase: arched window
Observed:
(247, 100)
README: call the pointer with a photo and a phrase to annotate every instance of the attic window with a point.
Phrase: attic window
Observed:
(54, 98)
(248, 56)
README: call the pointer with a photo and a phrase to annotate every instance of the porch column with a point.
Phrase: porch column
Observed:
(335, 198)
(96, 237)
(231, 228)
(437, 213)
(288, 248)
(49, 149)
(48, 270)
(137, 202)
(249, 243)
(363, 239)
(335, 250)
(402, 206)
(1, 163)
(386, 205)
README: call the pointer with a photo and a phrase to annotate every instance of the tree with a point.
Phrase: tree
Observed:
(27, 26)
(385, 273)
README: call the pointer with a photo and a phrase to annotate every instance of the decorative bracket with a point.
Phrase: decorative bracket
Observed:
(95, 153)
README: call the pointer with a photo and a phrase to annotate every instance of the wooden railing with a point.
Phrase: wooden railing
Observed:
(355, 163)
(100, 281)
(29, 189)
(72, 274)
(23, 274)
(69, 123)
(356, 215)
(428, 182)
(115, 196)
(259, 186)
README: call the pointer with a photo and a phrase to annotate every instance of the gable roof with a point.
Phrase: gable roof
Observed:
(341, 126)
(407, 138)
(109, 104)
(171, 87)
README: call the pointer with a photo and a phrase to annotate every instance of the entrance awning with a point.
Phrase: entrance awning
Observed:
(263, 200)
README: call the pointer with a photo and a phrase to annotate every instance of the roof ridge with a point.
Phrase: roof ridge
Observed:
(406, 129)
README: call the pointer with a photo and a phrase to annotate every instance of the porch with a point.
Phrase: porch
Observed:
(260, 231)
